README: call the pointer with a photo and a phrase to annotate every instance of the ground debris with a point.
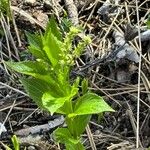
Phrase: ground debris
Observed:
(110, 63)
(40, 128)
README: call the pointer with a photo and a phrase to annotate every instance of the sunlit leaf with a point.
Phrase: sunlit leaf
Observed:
(77, 124)
(36, 46)
(52, 104)
(5, 8)
(54, 28)
(84, 86)
(15, 142)
(62, 135)
(36, 88)
(52, 48)
(90, 104)
(29, 67)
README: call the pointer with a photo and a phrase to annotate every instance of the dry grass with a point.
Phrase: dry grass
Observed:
(128, 127)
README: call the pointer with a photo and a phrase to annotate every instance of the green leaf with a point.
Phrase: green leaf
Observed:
(29, 67)
(71, 94)
(15, 142)
(36, 46)
(59, 104)
(36, 88)
(52, 104)
(52, 48)
(78, 124)
(37, 69)
(62, 135)
(54, 28)
(90, 104)
(84, 86)
(5, 8)
(65, 24)
(70, 146)
(148, 24)
(34, 40)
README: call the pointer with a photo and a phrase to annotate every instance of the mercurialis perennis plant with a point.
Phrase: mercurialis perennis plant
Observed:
(47, 82)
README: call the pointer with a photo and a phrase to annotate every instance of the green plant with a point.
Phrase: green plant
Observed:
(48, 83)
(5, 7)
(15, 142)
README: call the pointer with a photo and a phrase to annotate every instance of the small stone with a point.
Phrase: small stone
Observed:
(31, 2)
(31, 148)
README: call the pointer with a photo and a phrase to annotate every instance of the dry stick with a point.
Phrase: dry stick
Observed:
(125, 92)
(133, 13)
(140, 100)
(145, 123)
(90, 136)
(124, 84)
(146, 83)
(17, 33)
(132, 6)
(10, 37)
(91, 13)
(28, 116)
(87, 2)
(6, 37)
(127, 12)
(23, 109)
(143, 18)
(101, 54)
(54, 7)
(16, 90)
(132, 44)
(102, 136)
(147, 86)
(106, 94)
(15, 27)
(141, 4)
(9, 112)
(112, 24)
(72, 11)
(2, 61)
(25, 14)
(123, 145)
(97, 125)
(116, 89)
(9, 106)
(132, 120)
(139, 77)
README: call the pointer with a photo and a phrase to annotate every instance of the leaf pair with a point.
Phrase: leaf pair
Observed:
(48, 46)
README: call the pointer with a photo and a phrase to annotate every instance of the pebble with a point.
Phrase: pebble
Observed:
(31, 2)
(31, 148)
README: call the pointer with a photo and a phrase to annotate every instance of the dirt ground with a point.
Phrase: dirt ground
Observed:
(110, 62)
